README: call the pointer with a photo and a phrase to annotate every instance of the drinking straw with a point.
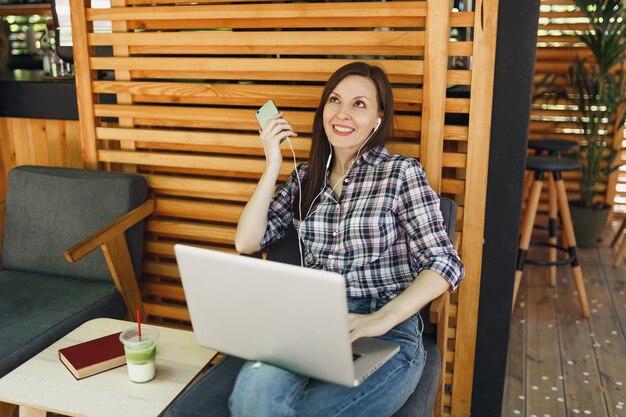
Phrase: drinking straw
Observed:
(139, 324)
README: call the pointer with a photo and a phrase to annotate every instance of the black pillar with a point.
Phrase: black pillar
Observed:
(514, 70)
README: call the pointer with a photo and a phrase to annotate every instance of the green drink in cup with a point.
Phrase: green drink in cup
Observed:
(140, 352)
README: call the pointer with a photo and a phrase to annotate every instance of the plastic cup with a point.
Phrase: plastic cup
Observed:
(140, 354)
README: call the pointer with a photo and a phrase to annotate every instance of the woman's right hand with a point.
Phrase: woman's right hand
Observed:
(276, 129)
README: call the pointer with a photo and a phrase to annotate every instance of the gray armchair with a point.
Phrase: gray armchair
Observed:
(44, 294)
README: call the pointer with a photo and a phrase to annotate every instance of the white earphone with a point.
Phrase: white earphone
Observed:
(378, 122)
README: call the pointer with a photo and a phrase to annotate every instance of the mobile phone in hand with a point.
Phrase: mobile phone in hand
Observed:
(266, 112)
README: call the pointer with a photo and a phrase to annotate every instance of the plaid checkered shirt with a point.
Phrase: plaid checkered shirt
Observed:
(384, 229)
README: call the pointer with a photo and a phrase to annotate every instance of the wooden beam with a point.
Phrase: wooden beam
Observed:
(435, 84)
(118, 259)
(485, 31)
(84, 76)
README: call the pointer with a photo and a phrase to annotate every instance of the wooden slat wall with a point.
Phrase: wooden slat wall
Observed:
(557, 47)
(188, 79)
(38, 142)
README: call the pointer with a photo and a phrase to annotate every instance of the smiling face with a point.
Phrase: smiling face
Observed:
(351, 113)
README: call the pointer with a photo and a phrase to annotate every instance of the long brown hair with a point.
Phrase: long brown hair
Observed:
(312, 183)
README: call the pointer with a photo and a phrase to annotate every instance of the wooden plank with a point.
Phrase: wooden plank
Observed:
(578, 357)
(407, 43)
(84, 76)
(457, 105)
(8, 156)
(453, 160)
(342, 43)
(211, 165)
(167, 311)
(559, 26)
(452, 186)
(232, 94)
(217, 142)
(607, 324)
(456, 133)
(406, 99)
(123, 75)
(276, 69)
(198, 210)
(195, 231)
(38, 141)
(162, 290)
(462, 19)
(221, 118)
(162, 269)
(435, 84)
(56, 143)
(514, 396)
(562, 14)
(459, 77)
(19, 130)
(566, 53)
(163, 248)
(395, 14)
(74, 144)
(184, 2)
(551, 67)
(485, 30)
(616, 278)
(215, 189)
(21, 9)
(544, 376)
(120, 265)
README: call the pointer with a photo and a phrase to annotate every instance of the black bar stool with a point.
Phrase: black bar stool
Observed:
(555, 148)
(552, 147)
(540, 165)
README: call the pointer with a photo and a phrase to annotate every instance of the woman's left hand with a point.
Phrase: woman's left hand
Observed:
(368, 325)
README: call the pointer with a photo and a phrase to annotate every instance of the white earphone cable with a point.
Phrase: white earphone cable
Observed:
(309, 213)
(295, 164)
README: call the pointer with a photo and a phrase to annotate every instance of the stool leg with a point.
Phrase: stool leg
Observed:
(527, 230)
(528, 182)
(620, 254)
(552, 227)
(569, 229)
(619, 233)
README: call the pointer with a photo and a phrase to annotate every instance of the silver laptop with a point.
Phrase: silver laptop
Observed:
(292, 317)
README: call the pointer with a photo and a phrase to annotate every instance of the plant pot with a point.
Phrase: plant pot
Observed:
(589, 222)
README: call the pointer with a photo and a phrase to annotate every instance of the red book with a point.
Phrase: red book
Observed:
(93, 356)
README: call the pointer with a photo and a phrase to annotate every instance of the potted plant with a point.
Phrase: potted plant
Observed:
(595, 89)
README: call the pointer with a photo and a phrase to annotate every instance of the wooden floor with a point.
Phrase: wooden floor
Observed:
(559, 363)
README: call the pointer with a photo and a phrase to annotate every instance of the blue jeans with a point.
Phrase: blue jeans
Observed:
(265, 390)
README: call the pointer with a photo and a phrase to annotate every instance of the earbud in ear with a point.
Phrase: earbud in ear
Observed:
(378, 122)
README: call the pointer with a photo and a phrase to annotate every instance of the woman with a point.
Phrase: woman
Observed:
(367, 215)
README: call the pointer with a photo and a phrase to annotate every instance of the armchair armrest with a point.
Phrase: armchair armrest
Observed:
(440, 315)
(113, 243)
(108, 232)
(2, 206)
